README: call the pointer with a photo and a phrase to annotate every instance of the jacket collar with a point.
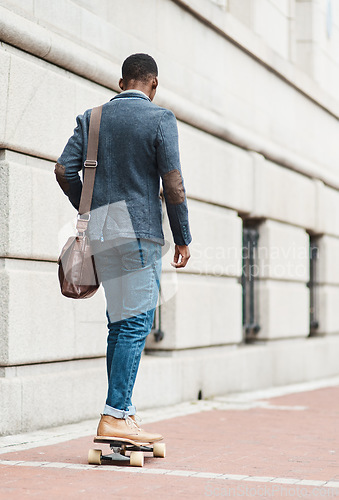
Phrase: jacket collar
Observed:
(131, 94)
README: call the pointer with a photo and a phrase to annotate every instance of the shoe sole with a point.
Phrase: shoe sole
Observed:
(117, 439)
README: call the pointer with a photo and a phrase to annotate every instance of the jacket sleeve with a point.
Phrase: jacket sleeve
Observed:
(168, 160)
(70, 163)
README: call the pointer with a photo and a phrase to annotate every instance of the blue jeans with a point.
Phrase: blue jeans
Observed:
(129, 270)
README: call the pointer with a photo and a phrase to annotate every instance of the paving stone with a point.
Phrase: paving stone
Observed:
(292, 454)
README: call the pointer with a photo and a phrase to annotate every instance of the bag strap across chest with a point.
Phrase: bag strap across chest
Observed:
(90, 169)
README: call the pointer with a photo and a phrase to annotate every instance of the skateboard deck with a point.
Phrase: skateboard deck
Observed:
(120, 447)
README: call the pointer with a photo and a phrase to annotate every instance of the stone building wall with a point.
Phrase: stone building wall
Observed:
(253, 85)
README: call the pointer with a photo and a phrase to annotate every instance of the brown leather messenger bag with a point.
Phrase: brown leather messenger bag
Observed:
(77, 274)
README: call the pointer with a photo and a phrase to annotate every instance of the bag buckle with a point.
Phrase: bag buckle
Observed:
(90, 163)
(83, 216)
(82, 223)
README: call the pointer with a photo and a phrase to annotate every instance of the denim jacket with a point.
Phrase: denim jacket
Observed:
(138, 144)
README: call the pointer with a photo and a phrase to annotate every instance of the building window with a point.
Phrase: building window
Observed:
(249, 280)
(313, 285)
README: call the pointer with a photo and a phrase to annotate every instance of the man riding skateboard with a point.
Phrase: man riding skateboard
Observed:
(138, 145)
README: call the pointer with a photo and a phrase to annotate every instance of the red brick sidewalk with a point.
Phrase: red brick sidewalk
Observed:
(287, 448)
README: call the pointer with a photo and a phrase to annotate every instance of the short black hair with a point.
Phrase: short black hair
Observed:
(139, 67)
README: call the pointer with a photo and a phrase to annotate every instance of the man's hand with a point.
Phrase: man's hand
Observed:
(183, 252)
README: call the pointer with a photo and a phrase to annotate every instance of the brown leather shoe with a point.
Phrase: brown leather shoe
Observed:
(125, 428)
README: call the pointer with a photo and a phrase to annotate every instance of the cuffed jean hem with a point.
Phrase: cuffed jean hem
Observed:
(115, 412)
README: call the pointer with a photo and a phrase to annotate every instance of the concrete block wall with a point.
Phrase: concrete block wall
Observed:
(317, 35)
(35, 396)
(257, 140)
(283, 252)
(268, 19)
(305, 32)
(271, 21)
(40, 324)
(33, 207)
(291, 197)
(283, 262)
(216, 171)
(328, 277)
(202, 312)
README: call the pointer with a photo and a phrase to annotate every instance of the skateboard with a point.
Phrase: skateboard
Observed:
(120, 447)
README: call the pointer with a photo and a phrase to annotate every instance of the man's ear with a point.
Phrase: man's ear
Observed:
(121, 84)
(155, 82)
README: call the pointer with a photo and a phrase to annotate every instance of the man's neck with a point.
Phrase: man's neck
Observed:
(136, 85)
(136, 90)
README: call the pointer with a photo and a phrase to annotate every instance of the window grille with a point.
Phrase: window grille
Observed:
(250, 283)
(313, 285)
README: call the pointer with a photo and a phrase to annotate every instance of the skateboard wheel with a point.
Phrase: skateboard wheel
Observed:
(136, 458)
(94, 457)
(159, 450)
